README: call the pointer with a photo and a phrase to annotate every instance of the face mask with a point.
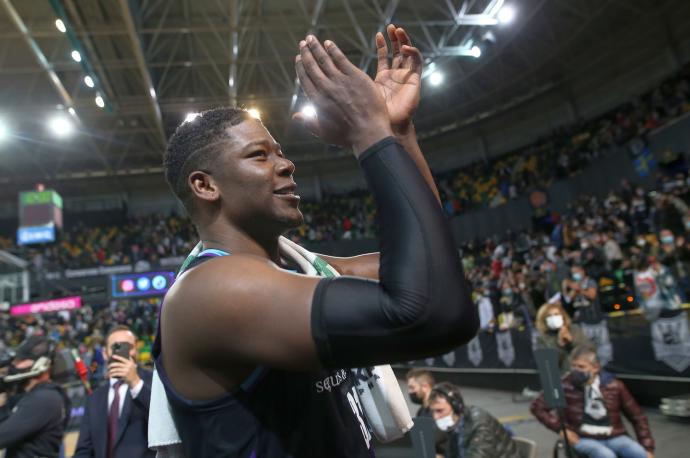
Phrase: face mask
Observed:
(414, 397)
(507, 292)
(579, 378)
(554, 322)
(584, 245)
(667, 239)
(641, 242)
(577, 276)
(445, 423)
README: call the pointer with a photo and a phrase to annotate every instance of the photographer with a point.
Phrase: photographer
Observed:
(115, 423)
(32, 425)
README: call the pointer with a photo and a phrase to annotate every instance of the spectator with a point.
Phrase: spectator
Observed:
(472, 432)
(581, 295)
(556, 330)
(675, 256)
(115, 422)
(419, 384)
(595, 400)
(655, 287)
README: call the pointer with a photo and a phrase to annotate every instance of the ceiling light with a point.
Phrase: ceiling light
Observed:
(71, 111)
(60, 25)
(309, 111)
(435, 78)
(152, 92)
(61, 126)
(476, 51)
(254, 113)
(4, 131)
(99, 101)
(88, 81)
(506, 14)
(190, 117)
(76, 56)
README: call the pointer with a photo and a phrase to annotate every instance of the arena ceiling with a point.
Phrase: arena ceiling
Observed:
(154, 61)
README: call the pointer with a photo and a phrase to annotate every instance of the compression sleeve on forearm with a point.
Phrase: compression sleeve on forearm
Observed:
(421, 305)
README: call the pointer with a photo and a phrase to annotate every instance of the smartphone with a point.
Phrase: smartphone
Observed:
(120, 349)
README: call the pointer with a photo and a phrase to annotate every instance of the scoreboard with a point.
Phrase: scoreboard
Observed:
(40, 216)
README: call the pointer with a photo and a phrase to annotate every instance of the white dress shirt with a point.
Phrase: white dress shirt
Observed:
(122, 392)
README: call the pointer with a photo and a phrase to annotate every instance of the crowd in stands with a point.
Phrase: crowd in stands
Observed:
(352, 215)
(630, 246)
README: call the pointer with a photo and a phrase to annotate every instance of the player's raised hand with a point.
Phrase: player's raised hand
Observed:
(351, 110)
(399, 79)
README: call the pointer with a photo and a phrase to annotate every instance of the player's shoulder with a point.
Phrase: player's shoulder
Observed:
(218, 278)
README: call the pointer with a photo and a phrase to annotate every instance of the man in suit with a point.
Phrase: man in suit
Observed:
(115, 423)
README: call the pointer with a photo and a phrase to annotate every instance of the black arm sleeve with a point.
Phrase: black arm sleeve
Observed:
(421, 305)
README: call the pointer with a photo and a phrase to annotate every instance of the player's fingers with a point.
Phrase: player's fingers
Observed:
(321, 56)
(413, 58)
(381, 53)
(341, 61)
(311, 67)
(395, 45)
(304, 79)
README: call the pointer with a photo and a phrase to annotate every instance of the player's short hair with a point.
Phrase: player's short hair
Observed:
(193, 146)
(421, 375)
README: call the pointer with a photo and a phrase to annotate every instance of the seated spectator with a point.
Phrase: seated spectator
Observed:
(556, 330)
(419, 384)
(595, 400)
(472, 432)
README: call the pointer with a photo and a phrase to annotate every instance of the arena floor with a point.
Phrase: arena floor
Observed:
(672, 438)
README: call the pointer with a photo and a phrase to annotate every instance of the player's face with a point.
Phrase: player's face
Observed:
(255, 180)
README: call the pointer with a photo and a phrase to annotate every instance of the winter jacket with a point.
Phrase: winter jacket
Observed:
(618, 400)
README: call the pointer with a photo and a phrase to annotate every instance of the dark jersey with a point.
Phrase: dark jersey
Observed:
(273, 414)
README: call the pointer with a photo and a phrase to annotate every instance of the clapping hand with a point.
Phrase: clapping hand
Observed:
(399, 80)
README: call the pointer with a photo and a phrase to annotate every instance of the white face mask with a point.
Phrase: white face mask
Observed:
(554, 322)
(445, 423)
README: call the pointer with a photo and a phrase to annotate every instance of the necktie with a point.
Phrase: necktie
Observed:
(113, 417)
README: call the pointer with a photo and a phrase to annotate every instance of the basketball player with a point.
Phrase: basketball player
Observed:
(253, 357)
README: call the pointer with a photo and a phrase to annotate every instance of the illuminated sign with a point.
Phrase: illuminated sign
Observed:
(53, 305)
(141, 284)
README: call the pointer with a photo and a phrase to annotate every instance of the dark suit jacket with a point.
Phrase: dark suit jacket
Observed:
(132, 439)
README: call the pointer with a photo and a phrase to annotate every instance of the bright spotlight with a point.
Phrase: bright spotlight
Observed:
(476, 51)
(435, 78)
(152, 92)
(61, 126)
(506, 14)
(71, 111)
(309, 111)
(60, 25)
(4, 131)
(88, 81)
(254, 113)
(190, 117)
(76, 56)
(99, 101)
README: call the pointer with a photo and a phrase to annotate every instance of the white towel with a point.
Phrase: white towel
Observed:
(379, 392)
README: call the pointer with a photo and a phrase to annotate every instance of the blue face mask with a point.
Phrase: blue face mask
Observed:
(577, 276)
(667, 239)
